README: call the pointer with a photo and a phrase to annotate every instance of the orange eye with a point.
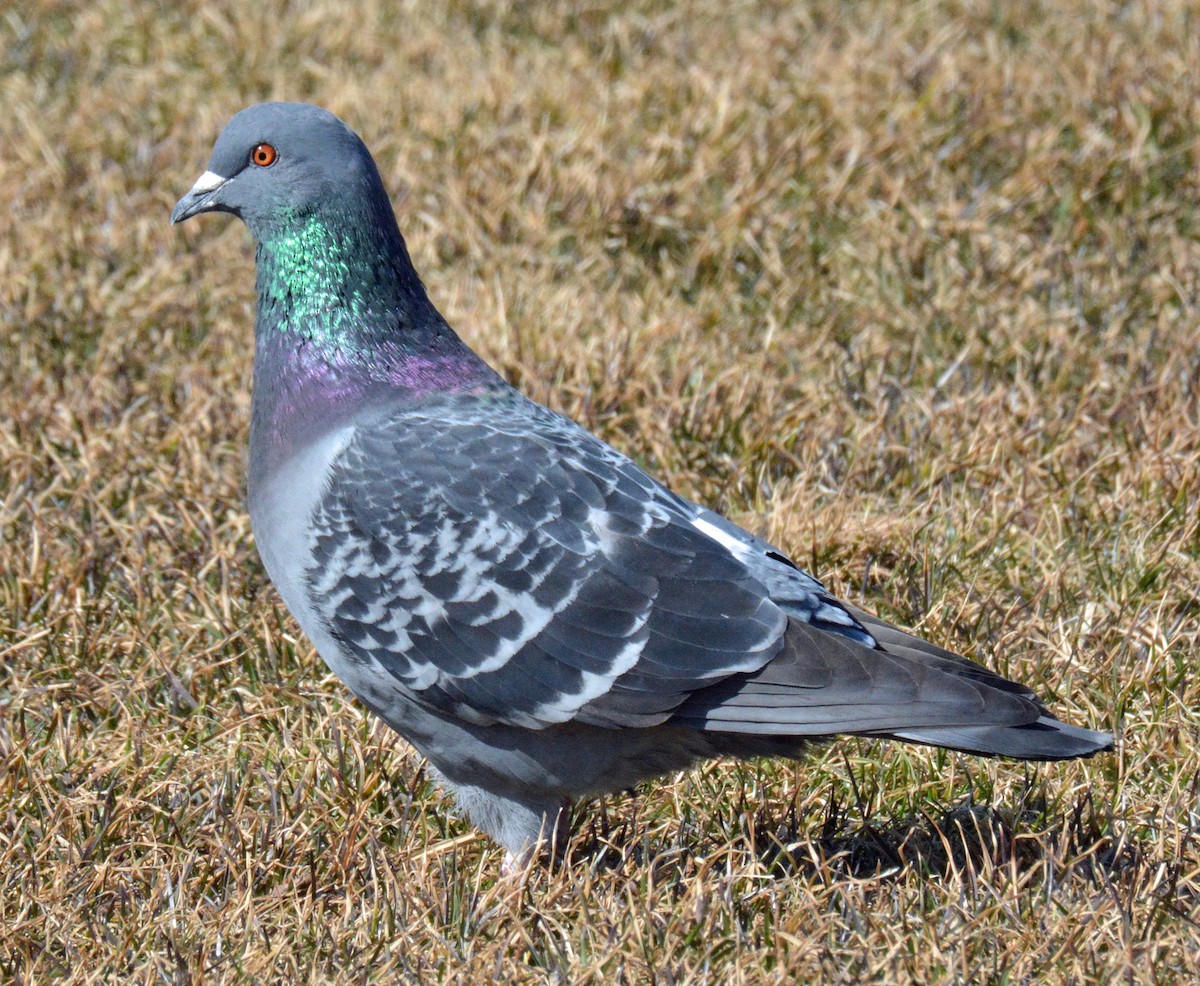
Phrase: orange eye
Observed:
(263, 155)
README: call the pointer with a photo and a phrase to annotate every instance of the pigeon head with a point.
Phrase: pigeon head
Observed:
(276, 164)
(341, 315)
(332, 265)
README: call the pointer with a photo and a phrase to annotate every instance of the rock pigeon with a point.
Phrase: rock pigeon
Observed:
(539, 617)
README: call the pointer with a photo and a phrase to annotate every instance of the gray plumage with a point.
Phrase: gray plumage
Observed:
(530, 609)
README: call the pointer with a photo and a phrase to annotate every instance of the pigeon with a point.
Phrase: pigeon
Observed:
(541, 619)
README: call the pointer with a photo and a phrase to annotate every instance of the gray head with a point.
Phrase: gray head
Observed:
(276, 163)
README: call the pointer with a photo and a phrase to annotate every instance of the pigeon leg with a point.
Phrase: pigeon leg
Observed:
(553, 837)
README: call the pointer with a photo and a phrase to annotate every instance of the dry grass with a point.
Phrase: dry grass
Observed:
(911, 289)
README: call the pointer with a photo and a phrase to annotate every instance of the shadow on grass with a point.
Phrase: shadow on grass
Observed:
(961, 840)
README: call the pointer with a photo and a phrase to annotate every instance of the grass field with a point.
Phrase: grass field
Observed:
(910, 289)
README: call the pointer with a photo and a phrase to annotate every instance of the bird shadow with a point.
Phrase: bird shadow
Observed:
(965, 839)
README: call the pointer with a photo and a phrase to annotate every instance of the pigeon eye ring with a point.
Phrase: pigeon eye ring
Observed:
(263, 155)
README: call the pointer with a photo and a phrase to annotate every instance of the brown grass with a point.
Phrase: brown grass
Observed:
(911, 289)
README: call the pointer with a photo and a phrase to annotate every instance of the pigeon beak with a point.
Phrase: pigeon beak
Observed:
(200, 198)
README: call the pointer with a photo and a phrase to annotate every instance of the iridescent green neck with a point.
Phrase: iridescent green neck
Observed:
(337, 282)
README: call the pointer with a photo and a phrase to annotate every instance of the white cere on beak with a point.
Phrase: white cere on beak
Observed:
(207, 182)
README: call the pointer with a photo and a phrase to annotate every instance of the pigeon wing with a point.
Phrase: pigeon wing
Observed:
(504, 565)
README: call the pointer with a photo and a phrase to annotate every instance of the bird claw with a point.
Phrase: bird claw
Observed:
(515, 864)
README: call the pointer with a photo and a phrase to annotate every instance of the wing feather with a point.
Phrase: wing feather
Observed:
(522, 571)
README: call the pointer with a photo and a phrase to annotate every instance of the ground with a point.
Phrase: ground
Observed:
(910, 289)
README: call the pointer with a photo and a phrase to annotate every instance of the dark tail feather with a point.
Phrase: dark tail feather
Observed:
(1046, 739)
(823, 683)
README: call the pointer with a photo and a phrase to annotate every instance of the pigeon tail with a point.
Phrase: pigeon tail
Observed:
(822, 684)
(1045, 739)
